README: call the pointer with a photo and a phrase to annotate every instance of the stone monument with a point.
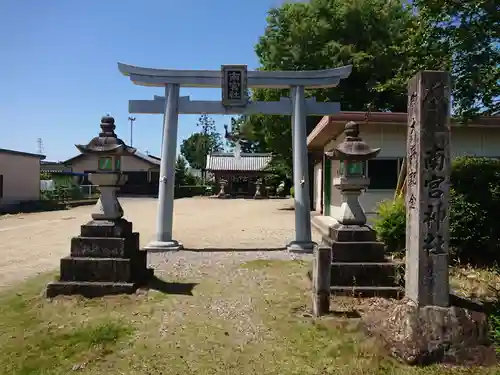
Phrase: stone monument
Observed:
(105, 258)
(423, 327)
(359, 266)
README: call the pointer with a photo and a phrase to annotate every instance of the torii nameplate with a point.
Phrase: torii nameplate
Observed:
(234, 85)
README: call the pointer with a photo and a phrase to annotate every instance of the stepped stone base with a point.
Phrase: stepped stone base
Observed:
(359, 267)
(89, 289)
(105, 259)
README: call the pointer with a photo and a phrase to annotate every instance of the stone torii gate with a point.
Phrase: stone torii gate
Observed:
(235, 81)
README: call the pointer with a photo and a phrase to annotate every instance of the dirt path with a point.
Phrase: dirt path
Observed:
(33, 243)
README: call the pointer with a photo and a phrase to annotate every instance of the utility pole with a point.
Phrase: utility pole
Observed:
(131, 119)
(39, 148)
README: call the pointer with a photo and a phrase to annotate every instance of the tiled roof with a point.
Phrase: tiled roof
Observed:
(226, 161)
(149, 158)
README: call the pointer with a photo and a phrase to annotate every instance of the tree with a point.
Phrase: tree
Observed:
(325, 34)
(468, 34)
(237, 134)
(196, 147)
(180, 171)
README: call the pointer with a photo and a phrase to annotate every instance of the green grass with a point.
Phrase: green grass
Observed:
(156, 333)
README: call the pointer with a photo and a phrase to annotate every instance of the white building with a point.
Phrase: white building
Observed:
(19, 177)
(387, 131)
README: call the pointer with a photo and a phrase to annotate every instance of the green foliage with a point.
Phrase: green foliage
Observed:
(45, 176)
(190, 191)
(239, 132)
(323, 34)
(390, 225)
(474, 202)
(494, 321)
(292, 192)
(474, 224)
(196, 148)
(180, 171)
(467, 33)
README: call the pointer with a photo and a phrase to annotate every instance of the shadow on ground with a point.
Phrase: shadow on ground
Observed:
(162, 286)
(233, 250)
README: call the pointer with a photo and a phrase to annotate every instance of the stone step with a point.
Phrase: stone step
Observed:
(105, 247)
(367, 273)
(368, 291)
(102, 269)
(88, 289)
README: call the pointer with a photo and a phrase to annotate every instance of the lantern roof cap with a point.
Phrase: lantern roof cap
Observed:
(107, 142)
(353, 147)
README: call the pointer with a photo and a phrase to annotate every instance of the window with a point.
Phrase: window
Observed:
(1, 186)
(383, 173)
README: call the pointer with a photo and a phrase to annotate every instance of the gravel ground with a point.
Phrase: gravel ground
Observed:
(34, 243)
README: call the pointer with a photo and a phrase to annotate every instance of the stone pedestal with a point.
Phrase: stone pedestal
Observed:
(105, 259)
(424, 335)
(359, 266)
(258, 193)
(222, 193)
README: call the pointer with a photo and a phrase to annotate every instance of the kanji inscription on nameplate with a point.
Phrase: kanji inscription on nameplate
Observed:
(234, 85)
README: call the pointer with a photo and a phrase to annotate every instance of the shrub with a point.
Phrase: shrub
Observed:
(391, 225)
(292, 192)
(187, 191)
(475, 203)
(474, 223)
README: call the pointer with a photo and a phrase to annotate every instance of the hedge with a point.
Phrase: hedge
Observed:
(474, 213)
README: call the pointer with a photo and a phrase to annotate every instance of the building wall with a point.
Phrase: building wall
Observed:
(128, 164)
(318, 176)
(21, 178)
(391, 139)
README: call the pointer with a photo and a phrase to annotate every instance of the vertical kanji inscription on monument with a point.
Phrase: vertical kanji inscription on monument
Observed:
(427, 190)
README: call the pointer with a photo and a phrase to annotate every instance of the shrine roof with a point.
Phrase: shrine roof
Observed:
(227, 161)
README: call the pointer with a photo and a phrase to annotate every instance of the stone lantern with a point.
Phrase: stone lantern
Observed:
(258, 185)
(109, 151)
(353, 154)
(222, 192)
(105, 258)
(358, 264)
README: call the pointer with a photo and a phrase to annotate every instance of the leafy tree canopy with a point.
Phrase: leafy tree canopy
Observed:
(387, 42)
(196, 147)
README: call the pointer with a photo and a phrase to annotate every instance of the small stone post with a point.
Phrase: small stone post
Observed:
(321, 277)
(428, 185)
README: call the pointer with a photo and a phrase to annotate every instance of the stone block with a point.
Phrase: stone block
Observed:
(367, 274)
(424, 335)
(97, 269)
(368, 291)
(357, 251)
(352, 233)
(105, 247)
(89, 289)
(105, 228)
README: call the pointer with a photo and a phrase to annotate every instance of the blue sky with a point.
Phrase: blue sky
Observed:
(58, 72)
